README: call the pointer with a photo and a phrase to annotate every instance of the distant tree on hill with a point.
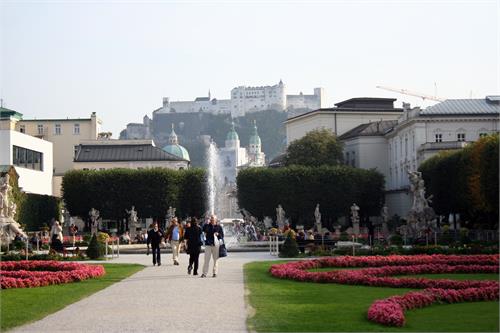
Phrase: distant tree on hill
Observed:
(316, 148)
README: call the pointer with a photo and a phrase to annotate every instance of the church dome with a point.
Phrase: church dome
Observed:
(178, 151)
(255, 138)
(174, 148)
(232, 135)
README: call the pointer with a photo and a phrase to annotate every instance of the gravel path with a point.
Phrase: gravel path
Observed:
(160, 299)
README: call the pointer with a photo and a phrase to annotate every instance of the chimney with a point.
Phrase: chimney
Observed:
(166, 102)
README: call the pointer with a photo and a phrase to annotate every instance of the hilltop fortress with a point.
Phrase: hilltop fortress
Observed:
(248, 99)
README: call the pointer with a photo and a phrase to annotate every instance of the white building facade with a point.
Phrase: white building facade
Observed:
(31, 157)
(342, 118)
(417, 135)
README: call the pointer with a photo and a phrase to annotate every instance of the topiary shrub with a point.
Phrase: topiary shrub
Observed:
(290, 248)
(93, 250)
(344, 236)
(396, 240)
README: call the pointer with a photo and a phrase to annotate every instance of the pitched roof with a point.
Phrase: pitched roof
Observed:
(122, 153)
(202, 99)
(488, 105)
(370, 129)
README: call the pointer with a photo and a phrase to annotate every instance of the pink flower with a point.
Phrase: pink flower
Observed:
(30, 274)
(379, 270)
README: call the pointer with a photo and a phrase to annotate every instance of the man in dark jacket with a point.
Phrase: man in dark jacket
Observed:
(212, 231)
(155, 236)
(192, 237)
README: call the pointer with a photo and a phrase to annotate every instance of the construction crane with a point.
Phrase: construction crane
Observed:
(412, 93)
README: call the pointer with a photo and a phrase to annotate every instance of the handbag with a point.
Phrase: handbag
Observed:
(222, 249)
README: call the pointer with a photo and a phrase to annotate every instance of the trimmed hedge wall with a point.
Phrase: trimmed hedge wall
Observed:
(298, 189)
(151, 191)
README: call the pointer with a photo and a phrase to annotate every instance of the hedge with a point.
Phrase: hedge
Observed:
(298, 189)
(151, 191)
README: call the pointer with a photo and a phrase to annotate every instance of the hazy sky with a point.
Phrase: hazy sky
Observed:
(119, 58)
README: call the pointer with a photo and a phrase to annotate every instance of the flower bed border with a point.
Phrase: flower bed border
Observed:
(31, 274)
(390, 311)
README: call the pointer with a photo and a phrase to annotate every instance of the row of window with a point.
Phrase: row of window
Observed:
(27, 158)
(57, 129)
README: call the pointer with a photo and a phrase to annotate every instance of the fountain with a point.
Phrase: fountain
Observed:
(212, 178)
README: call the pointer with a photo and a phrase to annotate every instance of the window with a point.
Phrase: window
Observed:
(460, 136)
(353, 161)
(439, 137)
(57, 129)
(40, 129)
(22, 128)
(27, 158)
(347, 158)
(76, 129)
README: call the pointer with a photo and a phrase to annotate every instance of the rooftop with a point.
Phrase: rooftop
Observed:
(377, 128)
(488, 105)
(122, 153)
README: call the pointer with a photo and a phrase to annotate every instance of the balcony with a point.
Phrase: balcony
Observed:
(445, 145)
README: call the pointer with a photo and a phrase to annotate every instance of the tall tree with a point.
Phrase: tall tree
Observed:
(316, 148)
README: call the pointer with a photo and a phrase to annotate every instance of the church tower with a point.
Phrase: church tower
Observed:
(256, 156)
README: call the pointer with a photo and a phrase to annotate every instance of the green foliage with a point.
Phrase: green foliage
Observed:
(466, 182)
(94, 250)
(151, 191)
(316, 148)
(298, 189)
(396, 240)
(38, 210)
(290, 248)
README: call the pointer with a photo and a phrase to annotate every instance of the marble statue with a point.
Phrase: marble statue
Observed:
(280, 217)
(9, 228)
(355, 218)
(384, 213)
(132, 221)
(421, 218)
(94, 216)
(317, 217)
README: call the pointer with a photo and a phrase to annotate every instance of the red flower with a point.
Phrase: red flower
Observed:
(30, 274)
(390, 311)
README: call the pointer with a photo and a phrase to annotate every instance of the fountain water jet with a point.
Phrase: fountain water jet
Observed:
(212, 179)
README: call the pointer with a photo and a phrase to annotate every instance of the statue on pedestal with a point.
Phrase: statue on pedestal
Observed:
(9, 228)
(132, 220)
(94, 216)
(421, 218)
(280, 217)
(317, 217)
(355, 218)
(384, 213)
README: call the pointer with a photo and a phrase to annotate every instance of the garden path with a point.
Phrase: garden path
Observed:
(160, 299)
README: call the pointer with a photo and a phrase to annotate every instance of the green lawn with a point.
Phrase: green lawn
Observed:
(291, 306)
(23, 305)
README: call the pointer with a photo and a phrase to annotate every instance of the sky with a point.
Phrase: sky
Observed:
(119, 58)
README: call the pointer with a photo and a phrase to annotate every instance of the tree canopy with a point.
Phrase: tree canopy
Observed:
(466, 182)
(318, 147)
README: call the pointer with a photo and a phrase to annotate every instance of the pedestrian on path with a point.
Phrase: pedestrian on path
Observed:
(175, 233)
(193, 244)
(155, 235)
(213, 234)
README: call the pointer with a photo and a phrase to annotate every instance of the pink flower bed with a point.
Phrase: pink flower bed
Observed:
(379, 270)
(30, 274)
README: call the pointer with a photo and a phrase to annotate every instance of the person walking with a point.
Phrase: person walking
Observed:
(193, 243)
(175, 233)
(213, 233)
(155, 236)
